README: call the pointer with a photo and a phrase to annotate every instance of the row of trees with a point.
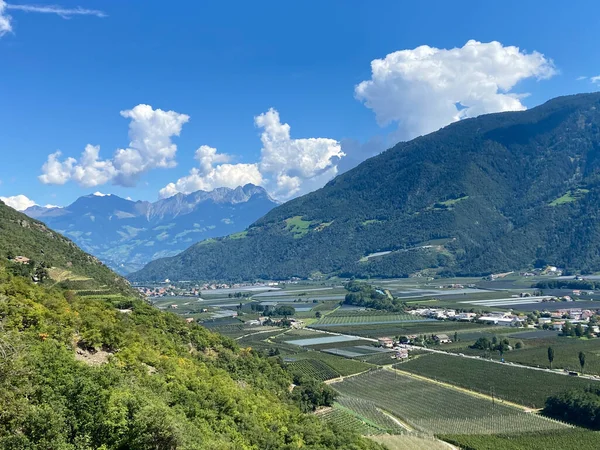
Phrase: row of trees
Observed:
(581, 357)
(494, 344)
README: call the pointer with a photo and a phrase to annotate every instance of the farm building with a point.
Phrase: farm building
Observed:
(466, 316)
(386, 342)
(442, 338)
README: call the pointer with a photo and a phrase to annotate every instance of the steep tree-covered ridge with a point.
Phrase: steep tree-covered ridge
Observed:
(28, 245)
(83, 370)
(494, 193)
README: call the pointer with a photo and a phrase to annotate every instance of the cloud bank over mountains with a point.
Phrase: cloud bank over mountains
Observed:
(417, 90)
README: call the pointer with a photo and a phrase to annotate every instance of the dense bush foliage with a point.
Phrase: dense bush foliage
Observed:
(577, 406)
(497, 177)
(363, 294)
(78, 374)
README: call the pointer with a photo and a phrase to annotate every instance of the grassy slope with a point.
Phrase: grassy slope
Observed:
(505, 168)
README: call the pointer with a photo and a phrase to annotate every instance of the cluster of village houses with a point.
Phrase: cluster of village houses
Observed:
(166, 289)
(401, 348)
(553, 320)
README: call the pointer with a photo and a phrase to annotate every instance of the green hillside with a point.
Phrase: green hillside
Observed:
(23, 236)
(84, 372)
(495, 193)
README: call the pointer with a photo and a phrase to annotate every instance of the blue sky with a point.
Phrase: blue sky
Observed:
(221, 66)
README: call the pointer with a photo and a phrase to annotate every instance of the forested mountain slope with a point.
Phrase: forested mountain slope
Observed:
(111, 372)
(494, 193)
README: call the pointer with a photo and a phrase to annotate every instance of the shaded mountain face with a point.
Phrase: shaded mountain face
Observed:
(126, 234)
(496, 193)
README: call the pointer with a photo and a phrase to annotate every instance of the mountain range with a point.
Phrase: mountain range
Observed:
(495, 193)
(127, 234)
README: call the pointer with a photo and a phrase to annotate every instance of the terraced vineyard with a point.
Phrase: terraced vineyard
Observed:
(516, 384)
(433, 408)
(313, 368)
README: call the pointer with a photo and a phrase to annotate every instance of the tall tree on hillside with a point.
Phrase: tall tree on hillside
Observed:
(582, 360)
(550, 355)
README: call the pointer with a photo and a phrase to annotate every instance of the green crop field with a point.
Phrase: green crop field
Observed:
(566, 351)
(403, 328)
(564, 439)
(410, 441)
(368, 411)
(515, 384)
(313, 368)
(346, 419)
(433, 408)
(360, 319)
(343, 366)
(535, 351)
(380, 359)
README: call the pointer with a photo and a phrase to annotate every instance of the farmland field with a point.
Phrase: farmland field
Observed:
(410, 442)
(433, 408)
(343, 366)
(368, 411)
(566, 351)
(535, 351)
(563, 439)
(515, 384)
(325, 339)
(332, 320)
(313, 368)
(346, 419)
(398, 329)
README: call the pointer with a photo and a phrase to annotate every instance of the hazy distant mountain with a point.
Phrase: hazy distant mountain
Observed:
(126, 234)
(496, 193)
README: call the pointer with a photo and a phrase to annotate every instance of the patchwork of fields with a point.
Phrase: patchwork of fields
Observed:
(432, 394)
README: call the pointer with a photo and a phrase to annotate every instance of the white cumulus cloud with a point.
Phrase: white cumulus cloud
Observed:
(18, 202)
(287, 167)
(595, 80)
(150, 133)
(5, 20)
(427, 88)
